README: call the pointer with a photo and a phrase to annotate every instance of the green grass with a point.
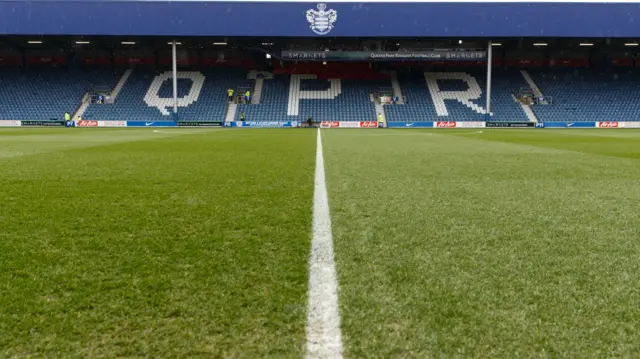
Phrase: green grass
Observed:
(499, 244)
(194, 243)
(137, 243)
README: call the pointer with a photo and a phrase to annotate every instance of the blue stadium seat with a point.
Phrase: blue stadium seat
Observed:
(578, 95)
(352, 103)
(209, 104)
(420, 106)
(583, 95)
(43, 94)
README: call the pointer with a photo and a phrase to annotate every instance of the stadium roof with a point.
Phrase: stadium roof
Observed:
(594, 19)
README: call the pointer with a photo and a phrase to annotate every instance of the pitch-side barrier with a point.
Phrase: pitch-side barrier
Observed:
(323, 124)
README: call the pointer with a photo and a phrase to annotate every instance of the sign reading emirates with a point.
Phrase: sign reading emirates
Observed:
(445, 124)
(607, 124)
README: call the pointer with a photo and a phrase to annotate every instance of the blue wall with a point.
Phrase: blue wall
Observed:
(102, 17)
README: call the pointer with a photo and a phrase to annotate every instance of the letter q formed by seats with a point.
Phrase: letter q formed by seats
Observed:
(152, 98)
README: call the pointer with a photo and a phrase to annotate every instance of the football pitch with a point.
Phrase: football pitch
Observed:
(194, 243)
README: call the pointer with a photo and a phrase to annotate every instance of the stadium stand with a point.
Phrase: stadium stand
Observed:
(296, 97)
(457, 96)
(147, 96)
(583, 95)
(46, 93)
(43, 93)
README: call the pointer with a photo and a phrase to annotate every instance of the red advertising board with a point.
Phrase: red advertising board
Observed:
(85, 123)
(369, 124)
(440, 124)
(329, 124)
(608, 124)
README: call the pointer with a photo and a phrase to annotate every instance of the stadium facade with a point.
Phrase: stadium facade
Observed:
(342, 64)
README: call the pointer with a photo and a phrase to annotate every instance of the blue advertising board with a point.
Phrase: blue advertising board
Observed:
(569, 124)
(151, 124)
(262, 124)
(410, 125)
(307, 19)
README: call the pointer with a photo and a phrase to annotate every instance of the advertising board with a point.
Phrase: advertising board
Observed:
(263, 124)
(10, 123)
(471, 124)
(54, 123)
(419, 124)
(511, 124)
(199, 124)
(560, 124)
(607, 124)
(112, 123)
(329, 124)
(151, 124)
(368, 124)
(86, 123)
(349, 124)
(444, 124)
(384, 55)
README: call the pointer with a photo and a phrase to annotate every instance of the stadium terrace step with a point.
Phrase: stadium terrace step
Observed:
(259, 78)
(82, 108)
(527, 111)
(532, 84)
(231, 112)
(119, 85)
(397, 90)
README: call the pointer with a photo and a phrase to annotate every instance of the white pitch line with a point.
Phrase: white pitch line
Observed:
(324, 340)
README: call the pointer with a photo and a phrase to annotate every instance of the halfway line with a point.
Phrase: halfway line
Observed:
(324, 339)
